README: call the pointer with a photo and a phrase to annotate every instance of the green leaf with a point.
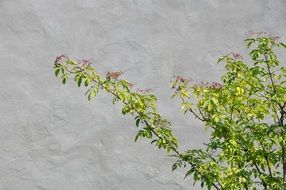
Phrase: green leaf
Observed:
(92, 92)
(57, 70)
(139, 134)
(137, 122)
(249, 44)
(79, 80)
(86, 82)
(153, 141)
(283, 45)
(64, 80)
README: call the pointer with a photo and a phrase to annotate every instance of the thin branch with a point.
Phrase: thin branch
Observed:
(270, 73)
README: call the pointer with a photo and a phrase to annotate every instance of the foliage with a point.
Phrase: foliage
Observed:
(244, 114)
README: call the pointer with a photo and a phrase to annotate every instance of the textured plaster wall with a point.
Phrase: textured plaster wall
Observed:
(52, 138)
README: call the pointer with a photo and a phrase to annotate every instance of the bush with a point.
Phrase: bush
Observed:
(245, 114)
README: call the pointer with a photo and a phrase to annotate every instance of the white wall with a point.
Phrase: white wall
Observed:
(52, 138)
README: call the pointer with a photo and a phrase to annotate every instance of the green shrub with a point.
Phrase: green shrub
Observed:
(244, 113)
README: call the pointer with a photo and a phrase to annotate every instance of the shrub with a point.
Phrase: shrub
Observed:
(244, 113)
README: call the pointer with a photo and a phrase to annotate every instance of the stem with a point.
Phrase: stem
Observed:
(269, 72)
(284, 165)
(266, 158)
(255, 164)
(194, 113)
(260, 173)
(281, 122)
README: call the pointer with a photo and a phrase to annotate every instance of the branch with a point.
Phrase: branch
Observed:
(146, 122)
(270, 73)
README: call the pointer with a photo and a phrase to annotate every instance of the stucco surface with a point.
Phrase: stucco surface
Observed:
(52, 138)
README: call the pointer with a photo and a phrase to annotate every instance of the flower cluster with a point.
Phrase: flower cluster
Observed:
(113, 75)
(213, 85)
(60, 58)
(181, 79)
(84, 63)
(265, 34)
(144, 91)
(179, 83)
(236, 55)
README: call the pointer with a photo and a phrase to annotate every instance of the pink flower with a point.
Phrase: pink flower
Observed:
(60, 58)
(114, 75)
